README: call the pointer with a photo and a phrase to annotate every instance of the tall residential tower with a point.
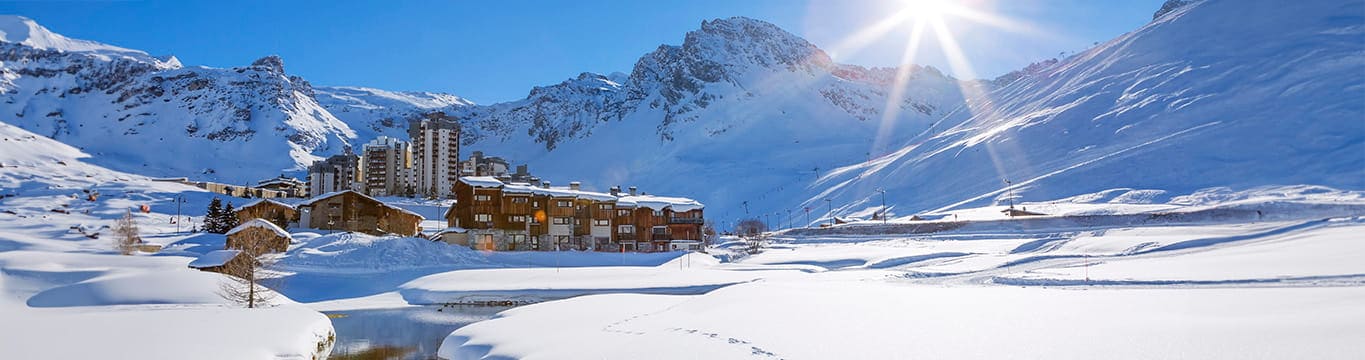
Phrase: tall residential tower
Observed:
(436, 153)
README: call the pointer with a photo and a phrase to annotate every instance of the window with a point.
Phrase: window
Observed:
(658, 213)
(625, 229)
(482, 197)
(563, 203)
(516, 218)
(601, 222)
(561, 221)
(535, 204)
(660, 230)
(604, 206)
(622, 212)
(483, 217)
(520, 200)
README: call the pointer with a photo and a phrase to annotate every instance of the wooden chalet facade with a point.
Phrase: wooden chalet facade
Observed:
(258, 236)
(270, 210)
(510, 216)
(352, 211)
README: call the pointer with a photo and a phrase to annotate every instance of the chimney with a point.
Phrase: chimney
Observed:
(546, 184)
(632, 191)
(574, 185)
(616, 190)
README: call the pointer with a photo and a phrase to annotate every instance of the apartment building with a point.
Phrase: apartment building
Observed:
(336, 173)
(385, 167)
(435, 153)
(497, 215)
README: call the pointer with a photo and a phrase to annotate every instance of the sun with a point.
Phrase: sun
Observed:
(925, 10)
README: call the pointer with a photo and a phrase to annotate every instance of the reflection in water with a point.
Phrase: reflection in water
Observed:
(403, 333)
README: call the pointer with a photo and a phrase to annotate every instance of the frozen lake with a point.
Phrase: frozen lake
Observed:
(401, 333)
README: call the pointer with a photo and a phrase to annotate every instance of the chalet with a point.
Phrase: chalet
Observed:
(291, 186)
(352, 211)
(258, 236)
(516, 216)
(221, 261)
(660, 221)
(280, 213)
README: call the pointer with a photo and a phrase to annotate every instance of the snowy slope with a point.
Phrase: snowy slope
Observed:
(740, 102)
(1190, 101)
(374, 112)
(137, 113)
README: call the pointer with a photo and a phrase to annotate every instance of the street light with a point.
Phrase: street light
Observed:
(1010, 197)
(179, 199)
(883, 191)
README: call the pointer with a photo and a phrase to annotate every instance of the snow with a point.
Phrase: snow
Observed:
(678, 204)
(481, 181)
(685, 276)
(214, 258)
(878, 320)
(262, 224)
(21, 30)
(59, 287)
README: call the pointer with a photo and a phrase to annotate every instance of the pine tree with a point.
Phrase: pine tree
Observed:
(229, 219)
(213, 219)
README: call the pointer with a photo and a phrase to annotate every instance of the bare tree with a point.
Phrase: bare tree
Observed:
(248, 271)
(126, 235)
(750, 227)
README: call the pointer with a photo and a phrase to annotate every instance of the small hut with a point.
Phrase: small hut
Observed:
(258, 237)
(221, 261)
(280, 213)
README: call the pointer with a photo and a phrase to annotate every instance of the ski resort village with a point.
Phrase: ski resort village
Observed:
(870, 179)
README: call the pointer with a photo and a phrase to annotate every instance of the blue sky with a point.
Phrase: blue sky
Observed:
(490, 51)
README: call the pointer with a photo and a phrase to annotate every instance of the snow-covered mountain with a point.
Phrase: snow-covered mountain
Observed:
(739, 96)
(754, 120)
(153, 116)
(374, 112)
(742, 111)
(1218, 93)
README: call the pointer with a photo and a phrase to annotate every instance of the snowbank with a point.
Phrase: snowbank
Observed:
(880, 320)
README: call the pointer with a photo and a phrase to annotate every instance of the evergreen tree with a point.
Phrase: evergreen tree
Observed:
(213, 219)
(229, 219)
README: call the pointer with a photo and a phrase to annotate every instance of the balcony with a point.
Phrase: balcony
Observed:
(686, 220)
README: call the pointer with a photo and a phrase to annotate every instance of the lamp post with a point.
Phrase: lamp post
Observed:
(883, 191)
(789, 219)
(1010, 196)
(179, 199)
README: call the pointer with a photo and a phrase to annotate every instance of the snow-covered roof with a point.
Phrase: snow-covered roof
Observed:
(481, 181)
(678, 204)
(260, 223)
(214, 258)
(556, 192)
(261, 201)
(449, 230)
(280, 180)
(310, 202)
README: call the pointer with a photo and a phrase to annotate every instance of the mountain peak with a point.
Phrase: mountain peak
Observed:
(759, 41)
(24, 31)
(272, 63)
